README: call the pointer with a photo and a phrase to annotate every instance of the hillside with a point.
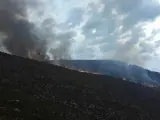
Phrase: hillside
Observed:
(117, 69)
(32, 90)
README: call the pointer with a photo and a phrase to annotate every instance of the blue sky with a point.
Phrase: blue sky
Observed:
(124, 30)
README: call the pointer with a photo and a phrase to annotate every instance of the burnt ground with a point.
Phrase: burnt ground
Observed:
(32, 90)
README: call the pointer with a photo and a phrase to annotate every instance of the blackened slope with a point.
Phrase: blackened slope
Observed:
(39, 91)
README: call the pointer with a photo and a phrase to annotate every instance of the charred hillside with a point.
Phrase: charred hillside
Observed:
(32, 90)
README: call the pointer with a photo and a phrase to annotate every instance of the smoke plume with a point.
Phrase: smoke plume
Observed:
(18, 34)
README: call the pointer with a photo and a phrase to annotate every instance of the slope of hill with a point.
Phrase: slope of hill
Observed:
(117, 69)
(31, 90)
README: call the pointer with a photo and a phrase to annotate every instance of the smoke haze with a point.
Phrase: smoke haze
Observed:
(85, 30)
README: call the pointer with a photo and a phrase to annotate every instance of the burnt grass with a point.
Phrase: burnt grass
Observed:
(32, 90)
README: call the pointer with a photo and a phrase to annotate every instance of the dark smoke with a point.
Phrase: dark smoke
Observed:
(20, 39)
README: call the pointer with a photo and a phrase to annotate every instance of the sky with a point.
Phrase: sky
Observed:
(124, 30)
